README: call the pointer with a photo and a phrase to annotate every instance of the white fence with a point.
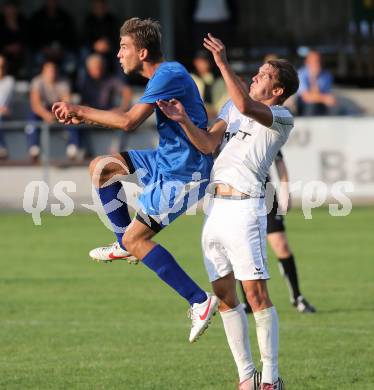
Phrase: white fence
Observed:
(330, 150)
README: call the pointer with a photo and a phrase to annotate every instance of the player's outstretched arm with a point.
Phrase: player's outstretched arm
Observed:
(206, 142)
(239, 95)
(73, 114)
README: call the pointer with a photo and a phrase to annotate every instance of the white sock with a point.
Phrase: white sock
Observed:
(267, 337)
(236, 327)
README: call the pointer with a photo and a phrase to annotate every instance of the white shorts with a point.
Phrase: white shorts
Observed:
(234, 239)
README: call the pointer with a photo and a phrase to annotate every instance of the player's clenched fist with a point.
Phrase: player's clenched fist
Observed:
(66, 113)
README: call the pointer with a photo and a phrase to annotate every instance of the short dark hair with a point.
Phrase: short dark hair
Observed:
(287, 77)
(146, 34)
(51, 61)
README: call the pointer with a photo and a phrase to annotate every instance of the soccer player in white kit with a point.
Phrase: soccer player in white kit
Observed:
(234, 234)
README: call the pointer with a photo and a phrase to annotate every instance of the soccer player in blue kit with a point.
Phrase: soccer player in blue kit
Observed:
(173, 176)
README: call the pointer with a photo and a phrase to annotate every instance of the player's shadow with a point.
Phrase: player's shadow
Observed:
(346, 310)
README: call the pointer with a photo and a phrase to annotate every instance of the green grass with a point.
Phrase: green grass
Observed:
(68, 323)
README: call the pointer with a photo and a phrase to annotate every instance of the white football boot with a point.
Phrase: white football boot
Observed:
(106, 254)
(201, 315)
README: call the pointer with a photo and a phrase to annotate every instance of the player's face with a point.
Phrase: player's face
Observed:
(128, 56)
(263, 83)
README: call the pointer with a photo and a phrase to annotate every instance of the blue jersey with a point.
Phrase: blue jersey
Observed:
(176, 157)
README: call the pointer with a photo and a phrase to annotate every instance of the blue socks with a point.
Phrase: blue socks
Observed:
(163, 263)
(113, 200)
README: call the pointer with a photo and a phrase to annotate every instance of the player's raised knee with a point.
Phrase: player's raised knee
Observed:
(103, 168)
(98, 172)
(93, 165)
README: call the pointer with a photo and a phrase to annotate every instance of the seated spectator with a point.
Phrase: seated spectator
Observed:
(212, 90)
(101, 33)
(99, 89)
(6, 91)
(45, 89)
(314, 94)
(53, 36)
(13, 33)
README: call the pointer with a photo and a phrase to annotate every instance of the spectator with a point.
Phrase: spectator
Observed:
(101, 32)
(6, 91)
(13, 33)
(212, 90)
(46, 88)
(314, 94)
(215, 16)
(53, 36)
(100, 90)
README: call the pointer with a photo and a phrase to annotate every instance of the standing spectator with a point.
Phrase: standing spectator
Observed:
(315, 96)
(101, 32)
(13, 33)
(53, 36)
(215, 16)
(45, 89)
(6, 91)
(212, 89)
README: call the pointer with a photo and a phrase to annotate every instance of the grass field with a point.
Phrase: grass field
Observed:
(68, 323)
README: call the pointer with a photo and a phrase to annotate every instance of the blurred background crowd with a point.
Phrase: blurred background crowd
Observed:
(60, 50)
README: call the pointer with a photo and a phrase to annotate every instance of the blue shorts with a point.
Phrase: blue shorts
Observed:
(164, 198)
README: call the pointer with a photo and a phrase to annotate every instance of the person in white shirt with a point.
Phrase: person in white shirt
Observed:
(276, 232)
(234, 234)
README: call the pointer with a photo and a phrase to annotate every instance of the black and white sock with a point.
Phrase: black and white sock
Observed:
(287, 268)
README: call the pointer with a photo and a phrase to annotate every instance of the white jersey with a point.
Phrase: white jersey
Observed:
(249, 148)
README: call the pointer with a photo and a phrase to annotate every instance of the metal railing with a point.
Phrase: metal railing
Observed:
(45, 137)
